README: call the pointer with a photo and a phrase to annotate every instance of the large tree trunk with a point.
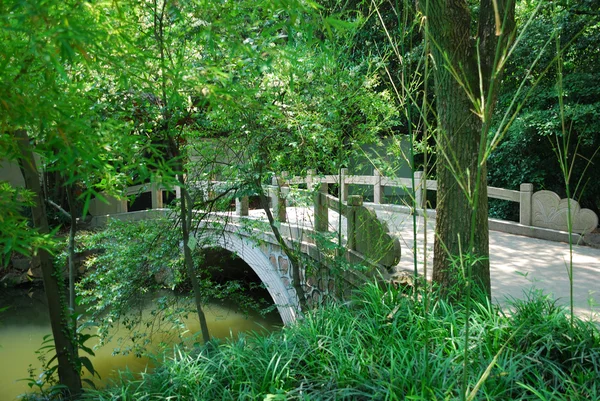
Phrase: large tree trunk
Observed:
(462, 240)
(66, 352)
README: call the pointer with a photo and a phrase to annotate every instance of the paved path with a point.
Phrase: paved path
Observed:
(517, 263)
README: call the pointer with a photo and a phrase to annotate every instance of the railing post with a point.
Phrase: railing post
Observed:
(354, 203)
(282, 197)
(420, 190)
(120, 204)
(377, 188)
(212, 190)
(343, 184)
(203, 189)
(525, 206)
(277, 198)
(310, 174)
(321, 209)
(321, 212)
(156, 196)
(241, 206)
(273, 195)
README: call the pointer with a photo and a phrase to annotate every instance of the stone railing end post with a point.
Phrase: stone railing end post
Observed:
(273, 198)
(525, 205)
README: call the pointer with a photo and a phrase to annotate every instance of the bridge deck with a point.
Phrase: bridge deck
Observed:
(517, 262)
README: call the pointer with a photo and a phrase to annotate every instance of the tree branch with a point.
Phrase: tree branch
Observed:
(60, 209)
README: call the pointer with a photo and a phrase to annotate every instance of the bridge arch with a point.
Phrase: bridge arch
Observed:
(286, 302)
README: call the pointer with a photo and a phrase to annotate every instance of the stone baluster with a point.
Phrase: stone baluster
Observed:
(525, 205)
(354, 203)
(120, 204)
(177, 192)
(241, 206)
(321, 211)
(273, 196)
(344, 185)
(211, 193)
(156, 196)
(377, 188)
(420, 190)
(203, 190)
(278, 198)
(310, 177)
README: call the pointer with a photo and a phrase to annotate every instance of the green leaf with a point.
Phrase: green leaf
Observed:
(192, 242)
(89, 383)
(86, 205)
(85, 361)
(340, 24)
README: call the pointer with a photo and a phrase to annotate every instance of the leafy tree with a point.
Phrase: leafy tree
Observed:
(64, 337)
(246, 97)
(296, 104)
(529, 151)
(48, 52)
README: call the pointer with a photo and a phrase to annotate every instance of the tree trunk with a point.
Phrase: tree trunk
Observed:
(185, 215)
(68, 372)
(462, 240)
(174, 153)
(186, 221)
(295, 263)
(71, 259)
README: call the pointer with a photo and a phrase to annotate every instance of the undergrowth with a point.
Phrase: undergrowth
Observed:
(376, 348)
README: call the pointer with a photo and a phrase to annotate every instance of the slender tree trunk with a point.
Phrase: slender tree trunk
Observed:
(71, 260)
(72, 232)
(185, 211)
(185, 215)
(186, 221)
(467, 70)
(68, 372)
(294, 260)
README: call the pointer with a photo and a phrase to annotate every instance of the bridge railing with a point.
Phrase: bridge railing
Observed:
(541, 210)
(379, 183)
(365, 233)
(538, 211)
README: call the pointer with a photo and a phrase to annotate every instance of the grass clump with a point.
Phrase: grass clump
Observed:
(386, 346)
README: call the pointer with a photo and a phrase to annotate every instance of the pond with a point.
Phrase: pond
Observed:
(24, 325)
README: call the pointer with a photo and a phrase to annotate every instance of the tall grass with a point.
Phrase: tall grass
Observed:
(376, 348)
(491, 134)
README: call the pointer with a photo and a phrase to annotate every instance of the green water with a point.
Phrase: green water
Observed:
(24, 325)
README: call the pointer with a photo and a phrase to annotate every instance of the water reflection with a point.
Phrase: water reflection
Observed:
(24, 325)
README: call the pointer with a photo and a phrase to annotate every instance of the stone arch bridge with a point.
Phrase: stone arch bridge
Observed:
(365, 240)
(316, 226)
